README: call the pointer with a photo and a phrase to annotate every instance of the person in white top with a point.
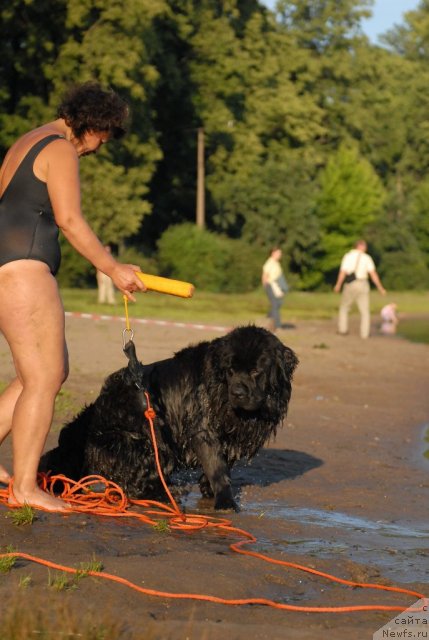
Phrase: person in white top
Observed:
(356, 267)
(275, 286)
(106, 288)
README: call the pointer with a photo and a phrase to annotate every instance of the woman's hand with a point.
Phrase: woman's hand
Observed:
(125, 279)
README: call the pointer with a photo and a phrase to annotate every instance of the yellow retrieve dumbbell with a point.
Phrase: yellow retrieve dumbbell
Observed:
(166, 285)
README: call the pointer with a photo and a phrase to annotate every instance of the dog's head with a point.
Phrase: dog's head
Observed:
(257, 369)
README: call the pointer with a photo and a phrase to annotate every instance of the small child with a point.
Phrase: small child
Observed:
(389, 319)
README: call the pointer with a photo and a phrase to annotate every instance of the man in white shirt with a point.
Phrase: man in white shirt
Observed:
(356, 267)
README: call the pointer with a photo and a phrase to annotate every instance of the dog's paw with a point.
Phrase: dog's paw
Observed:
(205, 488)
(225, 502)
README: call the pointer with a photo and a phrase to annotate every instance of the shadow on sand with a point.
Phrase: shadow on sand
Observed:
(268, 467)
(273, 465)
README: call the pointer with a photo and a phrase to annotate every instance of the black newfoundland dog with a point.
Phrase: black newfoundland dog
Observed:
(215, 402)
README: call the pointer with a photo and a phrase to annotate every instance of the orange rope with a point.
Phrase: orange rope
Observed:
(113, 502)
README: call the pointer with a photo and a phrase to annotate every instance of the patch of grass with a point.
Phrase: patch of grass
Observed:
(25, 581)
(6, 564)
(65, 582)
(87, 567)
(26, 615)
(321, 345)
(22, 516)
(61, 581)
(162, 526)
(233, 309)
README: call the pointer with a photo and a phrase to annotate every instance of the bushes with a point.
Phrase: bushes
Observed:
(404, 272)
(77, 272)
(210, 261)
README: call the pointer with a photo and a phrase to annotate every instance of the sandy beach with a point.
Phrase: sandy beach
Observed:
(343, 489)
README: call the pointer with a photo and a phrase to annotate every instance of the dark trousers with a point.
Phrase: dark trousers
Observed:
(276, 304)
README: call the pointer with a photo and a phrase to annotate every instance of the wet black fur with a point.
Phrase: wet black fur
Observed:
(215, 402)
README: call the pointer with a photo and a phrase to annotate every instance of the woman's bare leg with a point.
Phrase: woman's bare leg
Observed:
(32, 320)
(7, 406)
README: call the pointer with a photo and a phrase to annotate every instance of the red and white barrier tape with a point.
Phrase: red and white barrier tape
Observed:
(159, 323)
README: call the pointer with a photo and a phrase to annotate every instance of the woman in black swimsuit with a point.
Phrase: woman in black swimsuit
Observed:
(40, 194)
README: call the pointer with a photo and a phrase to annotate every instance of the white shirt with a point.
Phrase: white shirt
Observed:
(357, 262)
(272, 270)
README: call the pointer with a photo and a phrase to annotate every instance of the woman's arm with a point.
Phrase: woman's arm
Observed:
(64, 192)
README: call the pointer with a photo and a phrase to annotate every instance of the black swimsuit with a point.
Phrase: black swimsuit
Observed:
(27, 224)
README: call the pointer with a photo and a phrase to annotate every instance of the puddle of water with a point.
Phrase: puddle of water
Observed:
(322, 518)
(399, 549)
(414, 329)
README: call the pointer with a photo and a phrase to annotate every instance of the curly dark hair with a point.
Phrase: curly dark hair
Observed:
(89, 107)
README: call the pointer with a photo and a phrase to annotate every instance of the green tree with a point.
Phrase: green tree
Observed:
(401, 262)
(256, 121)
(114, 43)
(351, 198)
(330, 32)
(410, 42)
(419, 218)
(31, 33)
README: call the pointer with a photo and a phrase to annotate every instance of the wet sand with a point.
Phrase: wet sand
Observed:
(343, 489)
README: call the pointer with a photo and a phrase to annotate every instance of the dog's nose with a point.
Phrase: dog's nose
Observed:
(239, 391)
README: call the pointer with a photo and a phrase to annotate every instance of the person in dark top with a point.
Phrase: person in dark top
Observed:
(40, 194)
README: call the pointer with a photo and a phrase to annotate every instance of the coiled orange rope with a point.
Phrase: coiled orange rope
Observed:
(113, 502)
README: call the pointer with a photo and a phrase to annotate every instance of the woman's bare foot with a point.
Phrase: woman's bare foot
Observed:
(4, 476)
(38, 499)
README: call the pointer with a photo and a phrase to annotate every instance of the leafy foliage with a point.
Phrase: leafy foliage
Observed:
(212, 262)
(351, 198)
(313, 135)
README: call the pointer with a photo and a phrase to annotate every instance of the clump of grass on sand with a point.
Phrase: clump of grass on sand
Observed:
(25, 581)
(162, 526)
(6, 564)
(87, 567)
(61, 581)
(22, 516)
(65, 581)
(25, 617)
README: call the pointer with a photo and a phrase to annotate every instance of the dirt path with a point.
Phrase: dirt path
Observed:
(344, 489)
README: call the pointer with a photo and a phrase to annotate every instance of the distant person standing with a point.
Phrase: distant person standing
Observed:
(275, 286)
(389, 319)
(106, 289)
(356, 267)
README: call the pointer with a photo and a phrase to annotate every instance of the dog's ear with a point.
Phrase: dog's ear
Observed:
(219, 357)
(290, 361)
(134, 365)
(284, 365)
